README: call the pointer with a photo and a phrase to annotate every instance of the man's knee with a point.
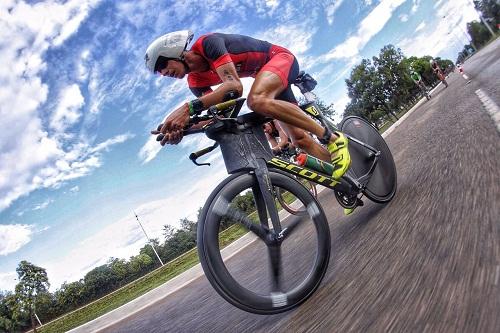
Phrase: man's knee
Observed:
(258, 102)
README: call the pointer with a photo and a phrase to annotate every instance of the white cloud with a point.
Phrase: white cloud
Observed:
(404, 17)
(438, 4)
(414, 7)
(13, 237)
(295, 37)
(272, 5)
(104, 146)
(149, 151)
(339, 105)
(82, 67)
(48, 166)
(67, 112)
(331, 9)
(421, 26)
(369, 27)
(74, 189)
(124, 238)
(447, 31)
(31, 157)
(43, 205)
(8, 280)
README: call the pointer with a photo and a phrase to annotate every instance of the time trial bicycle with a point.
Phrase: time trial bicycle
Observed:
(284, 257)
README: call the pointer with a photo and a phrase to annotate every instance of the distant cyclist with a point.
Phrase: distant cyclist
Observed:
(438, 71)
(217, 58)
(417, 79)
(276, 137)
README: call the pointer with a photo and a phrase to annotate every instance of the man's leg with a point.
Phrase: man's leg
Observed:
(304, 141)
(261, 99)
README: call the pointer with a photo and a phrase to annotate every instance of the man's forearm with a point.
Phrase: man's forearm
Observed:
(217, 96)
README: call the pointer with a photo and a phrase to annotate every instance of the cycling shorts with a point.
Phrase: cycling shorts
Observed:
(284, 64)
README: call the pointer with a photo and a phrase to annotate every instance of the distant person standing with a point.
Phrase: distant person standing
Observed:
(461, 71)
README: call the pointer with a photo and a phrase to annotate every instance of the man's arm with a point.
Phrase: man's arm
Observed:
(230, 82)
(272, 141)
(283, 137)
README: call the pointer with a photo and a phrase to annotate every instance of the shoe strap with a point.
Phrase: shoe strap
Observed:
(326, 137)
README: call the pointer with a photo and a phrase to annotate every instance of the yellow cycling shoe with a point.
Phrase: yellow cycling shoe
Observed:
(341, 159)
(348, 211)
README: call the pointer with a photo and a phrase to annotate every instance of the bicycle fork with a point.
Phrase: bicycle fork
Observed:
(264, 199)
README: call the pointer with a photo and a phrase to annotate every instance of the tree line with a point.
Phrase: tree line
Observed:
(477, 30)
(381, 87)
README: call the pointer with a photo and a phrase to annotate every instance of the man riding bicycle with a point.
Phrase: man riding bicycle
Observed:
(417, 79)
(217, 58)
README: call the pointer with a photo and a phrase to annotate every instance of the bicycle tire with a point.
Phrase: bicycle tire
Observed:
(383, 183)
(218, 274)
(289, 207)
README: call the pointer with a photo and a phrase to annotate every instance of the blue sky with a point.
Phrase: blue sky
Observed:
(77, 104)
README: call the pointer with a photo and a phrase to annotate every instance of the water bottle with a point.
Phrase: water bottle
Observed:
(314, 163)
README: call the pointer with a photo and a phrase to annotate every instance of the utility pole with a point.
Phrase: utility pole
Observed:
(149, 240)
(38, 319)
(466, 35)
(483, 20)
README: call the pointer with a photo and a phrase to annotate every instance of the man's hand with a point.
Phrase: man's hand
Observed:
(172, 128)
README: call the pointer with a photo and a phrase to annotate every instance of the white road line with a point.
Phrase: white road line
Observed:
(497, 274)
(490, 106)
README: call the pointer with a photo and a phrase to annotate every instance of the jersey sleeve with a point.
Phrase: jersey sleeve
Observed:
(215, 50)
(201, 83)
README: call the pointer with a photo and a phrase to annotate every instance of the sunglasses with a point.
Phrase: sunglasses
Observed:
(161, 63)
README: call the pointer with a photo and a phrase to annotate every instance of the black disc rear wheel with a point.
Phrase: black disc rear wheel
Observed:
(383, 182)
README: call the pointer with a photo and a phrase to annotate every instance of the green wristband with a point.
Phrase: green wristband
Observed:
(191, 110)
(196, 106)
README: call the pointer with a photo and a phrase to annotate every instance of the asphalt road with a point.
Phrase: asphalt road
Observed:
(429, 261)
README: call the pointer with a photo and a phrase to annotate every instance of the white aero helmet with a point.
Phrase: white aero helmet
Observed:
(170, 46)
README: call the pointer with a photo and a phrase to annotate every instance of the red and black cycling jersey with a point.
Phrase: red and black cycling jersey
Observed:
(248, 54)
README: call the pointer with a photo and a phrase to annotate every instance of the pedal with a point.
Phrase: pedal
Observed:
(359, 202)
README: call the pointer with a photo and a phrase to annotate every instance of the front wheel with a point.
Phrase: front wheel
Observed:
(263, 272)
(383, 182)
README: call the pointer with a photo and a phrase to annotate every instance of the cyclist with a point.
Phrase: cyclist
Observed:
(276, 137)
(417, 79)
(437, 70)
(217, 58)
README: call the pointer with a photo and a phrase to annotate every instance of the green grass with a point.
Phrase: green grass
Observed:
(137, 287)
(388, 124)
